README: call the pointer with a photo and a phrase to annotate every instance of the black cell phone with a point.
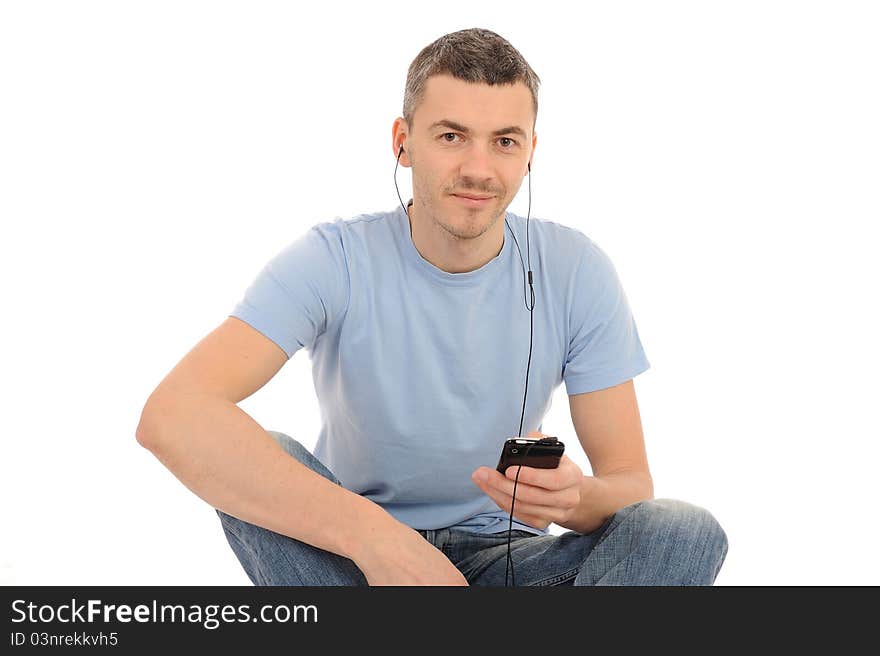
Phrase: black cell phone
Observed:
(543, 453)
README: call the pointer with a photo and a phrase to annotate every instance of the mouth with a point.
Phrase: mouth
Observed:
(473, 201)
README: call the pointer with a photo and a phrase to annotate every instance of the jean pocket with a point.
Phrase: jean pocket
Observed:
(501, 535)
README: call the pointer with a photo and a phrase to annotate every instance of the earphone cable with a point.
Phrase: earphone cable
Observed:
(530, 308)
(509, 563)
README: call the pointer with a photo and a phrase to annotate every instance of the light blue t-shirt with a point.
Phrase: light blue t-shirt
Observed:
(420, 373)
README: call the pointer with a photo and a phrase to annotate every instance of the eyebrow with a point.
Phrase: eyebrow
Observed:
(446, 123)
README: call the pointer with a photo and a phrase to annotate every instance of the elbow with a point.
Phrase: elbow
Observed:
(145, 433)
(157, 409)
(143, 437)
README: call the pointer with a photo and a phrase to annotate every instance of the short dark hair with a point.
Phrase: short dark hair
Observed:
(472, 55)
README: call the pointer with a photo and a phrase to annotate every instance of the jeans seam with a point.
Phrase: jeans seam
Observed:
(251, 552)
(559, 577)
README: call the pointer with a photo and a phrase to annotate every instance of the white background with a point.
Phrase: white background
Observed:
(154, 155)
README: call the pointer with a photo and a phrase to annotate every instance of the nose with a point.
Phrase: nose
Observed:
(476, 167)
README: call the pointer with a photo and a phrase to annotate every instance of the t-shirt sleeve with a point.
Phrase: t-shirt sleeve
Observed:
(604, 346)
(299, 292)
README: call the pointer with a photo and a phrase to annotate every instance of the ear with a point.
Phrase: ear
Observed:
(399, 140)
(402, 156)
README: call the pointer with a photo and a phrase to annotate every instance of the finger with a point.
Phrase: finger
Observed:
(525, 512)
(499, 496)
(534, 495)
(529, 475)
(566, 474)
(548, 481)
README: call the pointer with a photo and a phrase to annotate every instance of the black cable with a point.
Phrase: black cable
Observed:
(509, 563)
(530, 308)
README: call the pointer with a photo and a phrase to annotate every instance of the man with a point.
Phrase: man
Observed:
(417, 321)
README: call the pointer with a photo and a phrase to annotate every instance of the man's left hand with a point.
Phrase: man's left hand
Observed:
(543, 496)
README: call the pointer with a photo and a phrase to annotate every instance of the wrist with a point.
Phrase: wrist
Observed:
(374, 528)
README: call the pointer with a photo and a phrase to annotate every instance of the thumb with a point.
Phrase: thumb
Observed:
(536, 434)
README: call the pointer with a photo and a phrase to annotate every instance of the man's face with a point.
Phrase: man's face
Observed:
(455, 149)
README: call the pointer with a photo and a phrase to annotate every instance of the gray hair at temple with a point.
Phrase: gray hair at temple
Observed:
(472, 55)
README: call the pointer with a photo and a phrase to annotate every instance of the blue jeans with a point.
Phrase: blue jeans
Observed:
(652, 542)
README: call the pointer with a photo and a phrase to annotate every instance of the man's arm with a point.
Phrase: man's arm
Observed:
(609, 428)
(225, 457)
(193, 425)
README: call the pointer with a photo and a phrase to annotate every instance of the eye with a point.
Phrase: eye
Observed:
(454, 134)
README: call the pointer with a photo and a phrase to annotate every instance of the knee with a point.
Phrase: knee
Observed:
(688, 521)
(295, 449)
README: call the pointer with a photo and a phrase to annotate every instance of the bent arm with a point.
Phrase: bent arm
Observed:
(226, 458)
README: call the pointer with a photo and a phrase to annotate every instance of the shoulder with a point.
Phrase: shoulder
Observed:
(562, 244)
(361, 228)
(338, 237)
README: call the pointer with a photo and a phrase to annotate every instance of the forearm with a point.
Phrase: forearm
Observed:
(602, 496)
(226, 458)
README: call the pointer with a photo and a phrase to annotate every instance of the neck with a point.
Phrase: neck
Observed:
(449, 252)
